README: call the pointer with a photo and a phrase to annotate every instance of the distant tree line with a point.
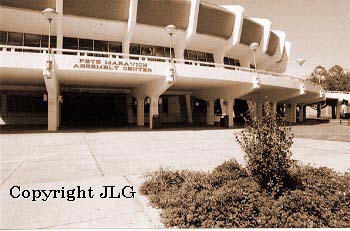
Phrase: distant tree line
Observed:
(335, 79)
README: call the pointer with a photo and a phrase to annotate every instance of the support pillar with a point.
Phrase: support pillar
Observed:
(141, 111)
(291, 113)
(301, 112)
(338, 109)
(210, 112)
(59, 24)
(229, 111)
(258, 110)
(189, 109)
(153, 109)
(53, 111)
(334, 115)
(129, 109)
(4, 104)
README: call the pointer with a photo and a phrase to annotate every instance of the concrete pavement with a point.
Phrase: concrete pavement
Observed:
(67, 159)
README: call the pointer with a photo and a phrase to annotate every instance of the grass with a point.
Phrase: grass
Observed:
(332, 132)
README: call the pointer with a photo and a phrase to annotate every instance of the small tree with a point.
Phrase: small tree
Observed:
(266, 144)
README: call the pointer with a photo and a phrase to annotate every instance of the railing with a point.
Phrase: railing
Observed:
(338, 92)
(87, 53)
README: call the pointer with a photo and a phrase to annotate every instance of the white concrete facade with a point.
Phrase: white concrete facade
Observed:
(146, 78)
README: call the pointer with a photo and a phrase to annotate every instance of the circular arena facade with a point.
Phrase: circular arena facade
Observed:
(113, 62)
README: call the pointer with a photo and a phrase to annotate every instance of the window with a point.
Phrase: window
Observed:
(3, 37)
(191, 55)
(45, 40)
(32, 40)
(210, 57)
(115, 47)
(100, 45)
(199, 56)
(70, 43)
(167, 52)
(135, 49)
(86, 44)
(146, 50)
(252, 66)
(15, 39)
(231, 62)
(159, 51)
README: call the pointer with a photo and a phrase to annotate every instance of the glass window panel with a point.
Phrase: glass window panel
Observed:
(86, 44)
(70, 43)
(226, 61)
(192, 55)
(185, 54)
(167, 52)
(238, 64)
(135, 49)
(15, 39)
(147, 50)
(45, 39)
(115, 47)
(201, 56)
(159, 51)
(3, 37)
(32, 40)
(101, 45)
(210, 57)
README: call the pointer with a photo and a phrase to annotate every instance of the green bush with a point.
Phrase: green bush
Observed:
(266, 144)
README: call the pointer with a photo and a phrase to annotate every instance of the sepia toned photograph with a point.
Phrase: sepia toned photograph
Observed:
(181, 114)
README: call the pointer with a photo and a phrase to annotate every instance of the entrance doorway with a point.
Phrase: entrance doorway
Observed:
(94, 109)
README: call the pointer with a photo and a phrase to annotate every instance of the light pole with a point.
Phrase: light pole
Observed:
(50, 14)
(256, 84)
(320, 77)
(300, 62)
(171, 29)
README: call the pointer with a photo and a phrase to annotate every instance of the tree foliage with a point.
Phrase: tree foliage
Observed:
(335, 79)
(267, 144)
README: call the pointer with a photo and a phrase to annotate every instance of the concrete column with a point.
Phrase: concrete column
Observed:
(258, 110)
(153, 109)
(53, 111)
(129, 109)
(291, 113)
(189, 109)
(223, 108)
(59, 24)
(141, 111)
(229, 111)
(4, 104)
(210, 112)
(334, 115)
(339, 109)
(301, 113)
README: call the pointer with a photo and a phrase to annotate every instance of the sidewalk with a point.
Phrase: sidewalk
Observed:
(55, 160)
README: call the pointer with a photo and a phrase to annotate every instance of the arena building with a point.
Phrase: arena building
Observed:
(118, 62)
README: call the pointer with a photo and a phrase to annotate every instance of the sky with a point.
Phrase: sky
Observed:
(319, 30)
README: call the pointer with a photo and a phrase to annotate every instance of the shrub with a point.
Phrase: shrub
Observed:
(272, 191)
(267, 147)
(227, 197)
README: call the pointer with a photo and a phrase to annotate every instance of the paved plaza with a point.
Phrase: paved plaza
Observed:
(121, 157)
